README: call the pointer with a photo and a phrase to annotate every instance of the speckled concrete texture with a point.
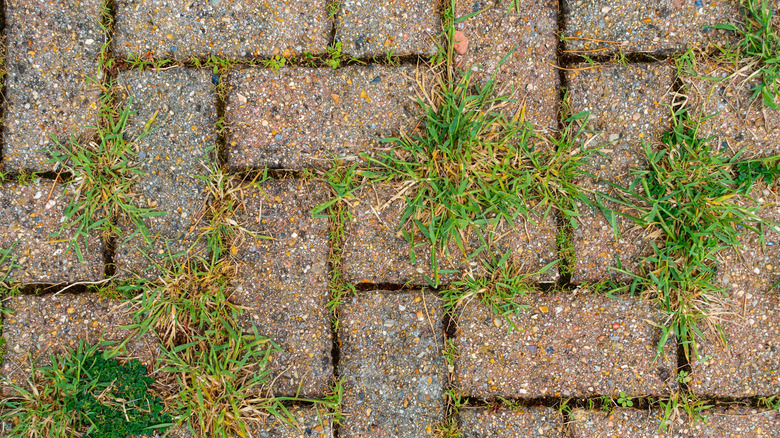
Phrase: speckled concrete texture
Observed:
(283, 283)
(635, 423)
(501, 421)
(392, 364)
(376, 27)
(304, 117)
(40, 326)
(30, 218)
(181, 29)
(628, 106)
(740, 122)
(179, 107)
(376, 252)
(529, 32)
(663, 26)
(52, 51)
(572, 344)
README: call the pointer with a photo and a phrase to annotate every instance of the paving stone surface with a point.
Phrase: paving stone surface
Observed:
(627, 106)
(375, 252)
(510, 422)
(244, 29)
(283, 281)
(30, 216)
(664, 26)
(52, 50)
(635, 423)
(304, 117)
(565, 345)
(749, 363)
(528, 31)
(392, 364)
(40, 326)
(367, 28)
(179, 106)
(739, 122)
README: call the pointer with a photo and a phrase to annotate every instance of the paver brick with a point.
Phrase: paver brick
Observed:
(42, 325)
(529, 31)
(375, 27)
(283, 281)
(392, 364)
(565, 345)
(740, 122)
(634, 423)
(30, 218)
(53, 48)
(244, 29)
(375, 252)
(304, 117)
(663, 26)
(627, 105)
(180, 105)
(510, 422)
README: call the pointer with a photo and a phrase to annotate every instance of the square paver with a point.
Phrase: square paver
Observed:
(529, 31)
(500, 421)
(31, 217)
(628, 107)
(662, 27)
(283, 281)
(392, 364)
(40, 326)
(179, 106)
(368, 28)
(53, 47)
(376, 252)
(565, 345)
(298, 118)
(245, 29)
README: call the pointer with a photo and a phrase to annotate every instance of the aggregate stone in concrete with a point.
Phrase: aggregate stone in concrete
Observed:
(31, 215)
(721, 423)
(304, 117)
(566, 345)
(179, 106)
(749, 363)
(739, 122)
(377, 27)
(392, 364)
(53, 48)
(376, 252)
(41, 326)
(528, 40)
(628, 106)
(506, 422)
(244, 29)
(283, 281)
(663, 26)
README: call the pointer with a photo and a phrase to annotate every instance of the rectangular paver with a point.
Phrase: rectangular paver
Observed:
(53, 48)
(283, 281)
(663, 26)
(628, 107)
(565, 345)
(31, 215)
(368, 28)
(529, 31)
(180, 107)
(304, 117)
(507, 422)
(376, 252)
(392, 364)
(245, 29)
(40, 326)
